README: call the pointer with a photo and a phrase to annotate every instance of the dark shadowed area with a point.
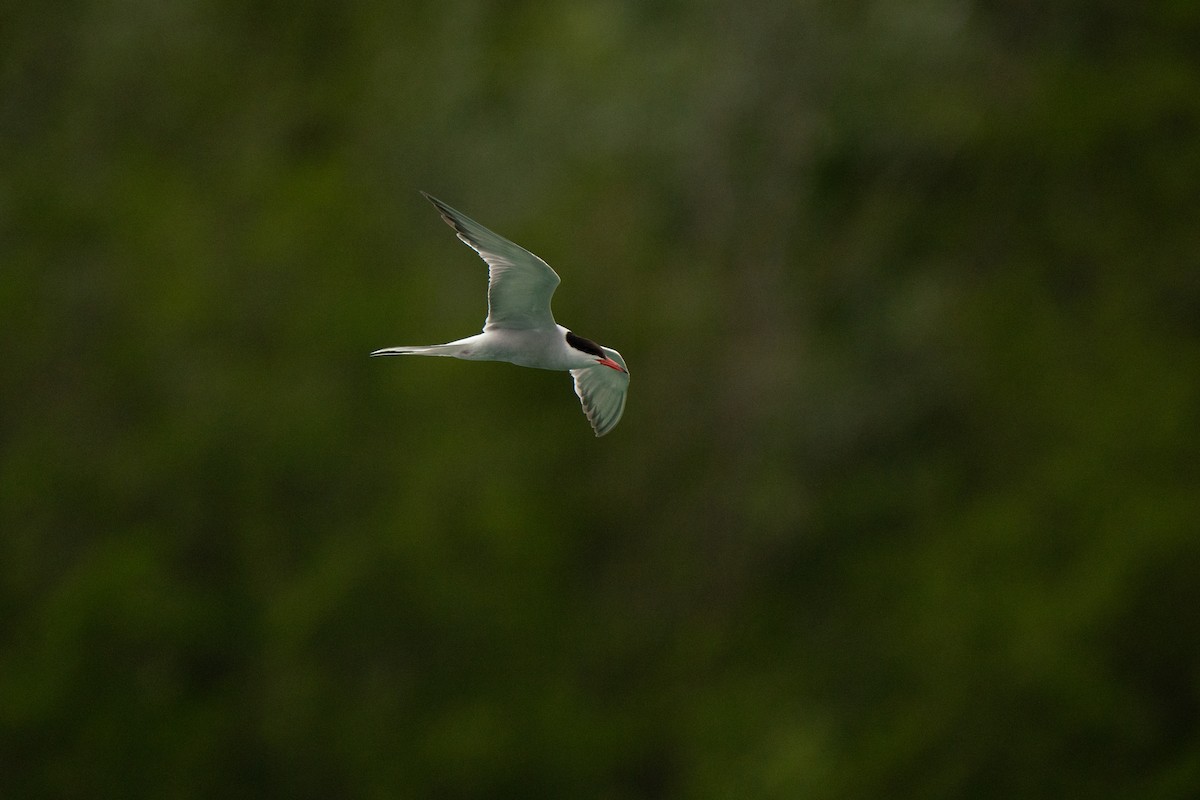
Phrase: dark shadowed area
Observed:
(905, 499)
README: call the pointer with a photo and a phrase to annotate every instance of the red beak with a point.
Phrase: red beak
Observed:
(608, 362)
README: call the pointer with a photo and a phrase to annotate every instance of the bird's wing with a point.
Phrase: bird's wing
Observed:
(520, 284)
(602, 391)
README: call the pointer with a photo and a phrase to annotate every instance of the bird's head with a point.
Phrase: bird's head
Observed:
(596, 351)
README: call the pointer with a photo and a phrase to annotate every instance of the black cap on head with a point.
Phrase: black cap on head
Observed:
(585, 345)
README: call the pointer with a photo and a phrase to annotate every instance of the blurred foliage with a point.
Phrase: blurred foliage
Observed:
(904, 503)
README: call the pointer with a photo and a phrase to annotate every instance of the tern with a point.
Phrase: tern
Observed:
(520, 327)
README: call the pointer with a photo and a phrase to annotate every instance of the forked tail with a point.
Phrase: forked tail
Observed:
(420, 350)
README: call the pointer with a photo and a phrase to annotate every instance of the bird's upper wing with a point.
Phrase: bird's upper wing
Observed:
(602, 391)
(520, 284)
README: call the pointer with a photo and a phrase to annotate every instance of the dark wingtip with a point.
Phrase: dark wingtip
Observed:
(440, 205)
(443, 209)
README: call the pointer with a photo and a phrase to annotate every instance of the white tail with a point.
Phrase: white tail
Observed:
(424, 350)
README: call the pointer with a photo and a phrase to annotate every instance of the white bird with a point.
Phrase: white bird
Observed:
(521, 329)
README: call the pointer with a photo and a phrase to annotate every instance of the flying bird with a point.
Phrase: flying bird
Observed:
(520, 327)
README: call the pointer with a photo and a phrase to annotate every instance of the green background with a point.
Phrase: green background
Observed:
(904, 502)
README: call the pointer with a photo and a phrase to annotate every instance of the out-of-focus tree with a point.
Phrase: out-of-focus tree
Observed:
(903, 503)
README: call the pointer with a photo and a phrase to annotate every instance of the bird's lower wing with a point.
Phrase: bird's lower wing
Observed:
(602, 393)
